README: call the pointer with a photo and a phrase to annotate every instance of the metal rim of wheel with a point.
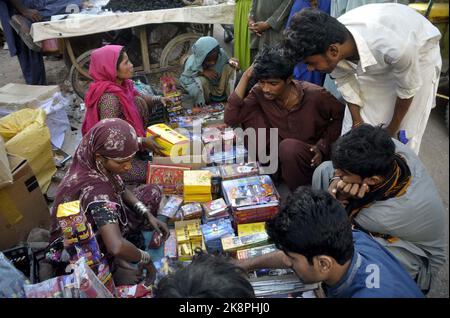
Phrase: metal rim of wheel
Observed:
(177, 51)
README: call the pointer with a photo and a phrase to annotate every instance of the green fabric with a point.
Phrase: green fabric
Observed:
(242, 33)
(274, 12)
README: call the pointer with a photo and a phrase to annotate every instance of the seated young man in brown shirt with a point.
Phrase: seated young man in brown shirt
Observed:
(308, 118)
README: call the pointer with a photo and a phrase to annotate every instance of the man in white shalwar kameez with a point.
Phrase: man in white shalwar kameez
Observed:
(384, 58)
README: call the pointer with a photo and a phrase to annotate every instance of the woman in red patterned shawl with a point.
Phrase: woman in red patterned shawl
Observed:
(115, 213)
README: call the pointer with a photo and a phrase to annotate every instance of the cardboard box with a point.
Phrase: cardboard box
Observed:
(14, 97)
(173, 143)
(193, 161)
(232, 244)
(251, 228)
(22, 205)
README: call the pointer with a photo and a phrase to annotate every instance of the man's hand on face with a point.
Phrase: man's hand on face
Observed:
(346, 191)
(352, 190)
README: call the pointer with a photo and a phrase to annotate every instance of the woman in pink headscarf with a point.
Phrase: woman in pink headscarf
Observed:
(112, 95)
(117, 215)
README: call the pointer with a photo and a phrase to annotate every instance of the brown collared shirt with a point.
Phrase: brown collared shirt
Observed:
(316, 119)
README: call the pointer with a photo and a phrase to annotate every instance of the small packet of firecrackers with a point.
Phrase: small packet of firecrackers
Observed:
(192, 211)
(80, 241)
(169, 88)
(216, 181)
(170, 246)
(189, 239)
(215, 209)
(239, 170)
(82, 283)
(256, 251)
(134, 291)
(214, 231)
(172, 206)
(176, 218)
(216, 140)
(232, 244)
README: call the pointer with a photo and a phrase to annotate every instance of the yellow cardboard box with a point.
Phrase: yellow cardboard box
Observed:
(174, 143)
(251, 228)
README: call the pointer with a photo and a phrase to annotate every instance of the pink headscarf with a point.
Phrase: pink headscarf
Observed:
(103, 70)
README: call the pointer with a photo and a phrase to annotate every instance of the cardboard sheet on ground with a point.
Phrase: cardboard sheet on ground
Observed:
(84, 24)
(26, 135)
(14, 97)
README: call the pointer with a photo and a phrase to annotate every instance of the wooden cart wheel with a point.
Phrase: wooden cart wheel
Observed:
(80, 83)
(177, 51)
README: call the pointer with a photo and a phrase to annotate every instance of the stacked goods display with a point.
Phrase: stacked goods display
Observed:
(236, 243)
(192, 211)
(280, 285)
(252, 199)
(237, 154)
(210, 116)
(189, 239)
(197, 186)
(171, 207)
(216, 209)
(169, 88)
(214, 231)
(216, 139)
(168, 177)
(216, 181)
(82, 283)
(255, 251)
(172, 142)
(239, 170)
(80, 241)
(251, 228)
(142, 5)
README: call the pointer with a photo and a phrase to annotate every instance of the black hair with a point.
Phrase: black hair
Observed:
(366, 151)
(120, 58)
(208, 276)
(312, 223)
(311, 32)
(271, 62)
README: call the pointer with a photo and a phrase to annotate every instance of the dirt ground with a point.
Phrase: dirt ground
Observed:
(434, 152)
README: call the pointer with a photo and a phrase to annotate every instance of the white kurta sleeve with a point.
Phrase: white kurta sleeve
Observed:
(405, 69)
(348, 86)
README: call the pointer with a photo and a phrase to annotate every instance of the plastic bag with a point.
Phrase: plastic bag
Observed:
(12, 280)
(82, 283)
(26, 135)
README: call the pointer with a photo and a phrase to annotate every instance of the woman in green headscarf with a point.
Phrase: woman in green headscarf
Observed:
(207, 72)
